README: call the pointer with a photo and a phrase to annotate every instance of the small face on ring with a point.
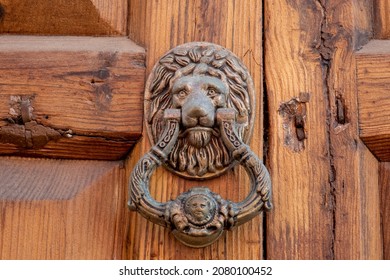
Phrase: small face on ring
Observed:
(199, 209)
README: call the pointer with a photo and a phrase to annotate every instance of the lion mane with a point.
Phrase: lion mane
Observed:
(200, 59)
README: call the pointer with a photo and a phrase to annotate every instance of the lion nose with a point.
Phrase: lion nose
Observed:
(198, 111)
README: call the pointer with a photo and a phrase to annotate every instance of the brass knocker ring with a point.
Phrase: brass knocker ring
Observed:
(194, 108)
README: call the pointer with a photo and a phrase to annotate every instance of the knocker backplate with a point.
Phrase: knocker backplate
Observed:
(198, 78)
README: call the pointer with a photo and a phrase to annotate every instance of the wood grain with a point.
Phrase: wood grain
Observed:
(373, 74)
(61, 17)
(159, 26)
(326, 192)
(381, 19)
(301, 225)
(385, 206)
(81, 91)
(56, 209)
(77, 147)
(356, 217)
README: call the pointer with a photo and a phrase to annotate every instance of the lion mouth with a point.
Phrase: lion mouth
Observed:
(199, 136)
(214, 131)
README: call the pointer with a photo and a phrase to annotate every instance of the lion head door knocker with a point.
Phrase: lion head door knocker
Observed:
(199, 108)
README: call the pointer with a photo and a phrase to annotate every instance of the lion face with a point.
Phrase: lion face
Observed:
(198, 96)
(199, 78)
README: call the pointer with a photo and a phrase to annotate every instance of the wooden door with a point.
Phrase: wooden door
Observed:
(66, 198)
(325, 178)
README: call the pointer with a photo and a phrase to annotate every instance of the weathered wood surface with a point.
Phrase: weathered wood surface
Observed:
(325, 181)
(70, 97)
(373, 75)
(62, 17)
(385, 206)
(381, 19)
(159, 26)
(59, 209)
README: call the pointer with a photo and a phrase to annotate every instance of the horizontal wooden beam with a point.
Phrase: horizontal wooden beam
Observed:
(70, 97)
(59, 17)
(373, 80)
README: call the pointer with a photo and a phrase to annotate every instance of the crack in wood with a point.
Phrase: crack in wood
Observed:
(326, 50)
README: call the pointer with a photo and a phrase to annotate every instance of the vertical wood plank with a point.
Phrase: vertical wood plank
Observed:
(301, 225)
(384, 182)
(325, 180)
(382, 19)
(114, 12)
(55, 209)
(159, 26)
(347, 27)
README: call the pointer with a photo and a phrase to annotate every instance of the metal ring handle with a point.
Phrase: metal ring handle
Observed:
(140, 198)
(198, 217)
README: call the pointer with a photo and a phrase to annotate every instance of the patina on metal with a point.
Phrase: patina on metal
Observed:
(199, 109)
(198, 78)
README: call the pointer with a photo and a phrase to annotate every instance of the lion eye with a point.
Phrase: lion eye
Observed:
(182, 93)
(212, 92)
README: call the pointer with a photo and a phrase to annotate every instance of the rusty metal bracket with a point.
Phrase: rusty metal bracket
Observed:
(199, 109)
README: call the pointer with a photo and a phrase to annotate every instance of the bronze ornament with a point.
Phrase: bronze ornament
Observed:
(199, 78)
(199, 110)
